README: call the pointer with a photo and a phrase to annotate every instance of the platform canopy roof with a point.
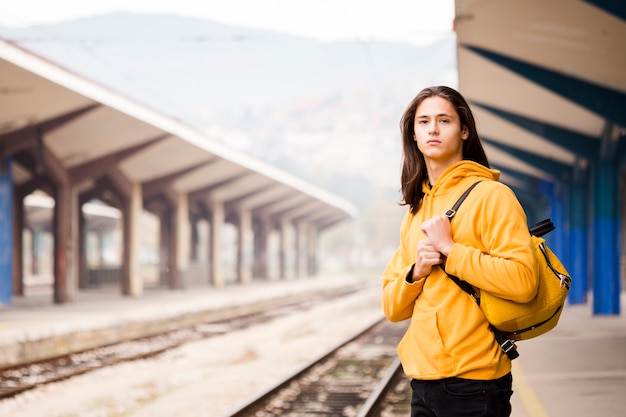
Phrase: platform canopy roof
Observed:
(547, 81)
(89, 132)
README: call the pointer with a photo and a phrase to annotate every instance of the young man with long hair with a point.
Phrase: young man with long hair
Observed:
(455, 364)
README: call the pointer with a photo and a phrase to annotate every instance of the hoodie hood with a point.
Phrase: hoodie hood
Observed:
(459, 171)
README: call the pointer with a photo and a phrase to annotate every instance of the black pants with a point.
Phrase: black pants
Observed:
(458, 397)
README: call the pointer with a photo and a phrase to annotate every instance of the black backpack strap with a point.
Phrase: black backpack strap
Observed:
(507, 345)
(450, 213)
(464, 285)
(541, 228)
(467, 287)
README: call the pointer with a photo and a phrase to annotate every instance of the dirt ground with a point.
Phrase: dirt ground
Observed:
(205, 378)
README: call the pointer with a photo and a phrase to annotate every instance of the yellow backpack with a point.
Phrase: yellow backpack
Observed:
(524, 321)
(513, 321)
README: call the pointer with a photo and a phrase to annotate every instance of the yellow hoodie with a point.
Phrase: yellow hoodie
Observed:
(448, 334)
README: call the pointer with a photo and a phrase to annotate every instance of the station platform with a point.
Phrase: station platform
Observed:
(576, 370)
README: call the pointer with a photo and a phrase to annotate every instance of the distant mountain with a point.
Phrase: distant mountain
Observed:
(196, 63)
(318, 109)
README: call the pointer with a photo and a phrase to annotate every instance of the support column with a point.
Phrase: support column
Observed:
(301, 249)
(312, 250)
(65, 239)
(83, 275)
(557, 239)
(606, 281)
(578, 246)
(183, 239)
(209, 247)
(284, 250)
(18, 251)
(164, 238)
(195, 238)
(132, 231)
(35, 248)
(217, 224)
(169, 236)
(260, 260)
(6, 233)
(244, 246)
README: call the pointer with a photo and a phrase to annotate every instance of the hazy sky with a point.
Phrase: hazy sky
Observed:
(415, 21)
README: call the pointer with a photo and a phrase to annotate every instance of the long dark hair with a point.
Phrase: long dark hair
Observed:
(413, 165)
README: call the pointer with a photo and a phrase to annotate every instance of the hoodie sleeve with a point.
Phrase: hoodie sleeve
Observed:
(501, 260)
(398, 296)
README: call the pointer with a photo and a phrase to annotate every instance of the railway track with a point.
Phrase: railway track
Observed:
(360, 378)
(24, 377)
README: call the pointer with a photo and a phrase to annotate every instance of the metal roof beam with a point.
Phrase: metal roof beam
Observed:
(313, 215)
(50, 125)
(517, 175)
(552, 167)
(608, 103)
(235, 203)
(39, 182)
(17, 141)
(301, 213)
(261, 201)
(581, 145)
(157, 185)
(280, 207)
(616, 8)
(534, 202)
(106, 191)
(331, 221)
(203, 192)
(243, 186)
(25, 138)
(98, 167)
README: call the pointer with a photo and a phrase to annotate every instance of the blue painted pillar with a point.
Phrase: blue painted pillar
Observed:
(557, 239)
(535, 204)
(6, 233)
(578, 243)
(606, 280)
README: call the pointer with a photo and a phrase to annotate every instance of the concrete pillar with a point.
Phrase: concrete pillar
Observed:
(83, 276)
(18, 241)
(556, 239)
(244, 246)
(169, 241)
(36, 248)
(132, 239)
(6, 233)
(164, 246)
(218, 217)
(195, 238)
(261, 237)
(301, 249)
(65, 244)
(284, 248)
(579, 240)
(183, 238)
(312, 250)
(606, 280)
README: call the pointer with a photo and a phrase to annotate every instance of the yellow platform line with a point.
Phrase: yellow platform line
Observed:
(527, 394)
